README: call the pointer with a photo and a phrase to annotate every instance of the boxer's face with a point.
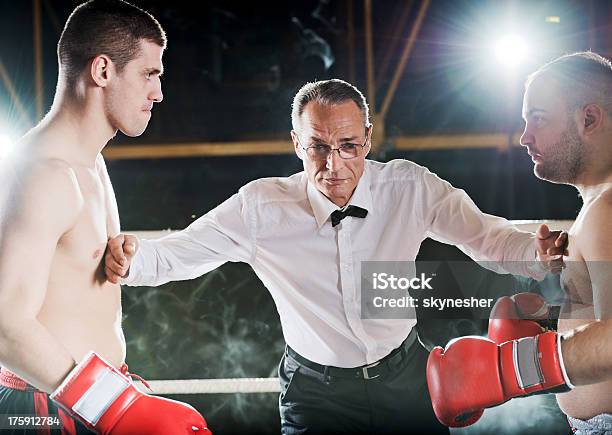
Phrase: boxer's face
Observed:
(551, 134)
(132, 93)
(333, 176)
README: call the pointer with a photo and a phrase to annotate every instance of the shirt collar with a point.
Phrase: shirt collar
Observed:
(323, 207)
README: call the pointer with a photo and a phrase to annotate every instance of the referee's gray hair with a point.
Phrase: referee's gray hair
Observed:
(584, 77)
(328, 93)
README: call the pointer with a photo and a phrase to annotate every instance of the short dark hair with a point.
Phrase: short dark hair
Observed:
(111, 27)
(584, 77)
(328, 93)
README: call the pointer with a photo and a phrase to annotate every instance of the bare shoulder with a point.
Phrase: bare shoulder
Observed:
(48, 176)
(101, 166)
(100, 162)
(599, 212)
(605, 199)
(595, 235)
(47, 185)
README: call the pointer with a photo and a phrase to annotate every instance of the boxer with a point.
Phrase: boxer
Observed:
(568, 133)
(60, 319)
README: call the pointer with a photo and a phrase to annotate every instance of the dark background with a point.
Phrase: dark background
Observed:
(232, 68)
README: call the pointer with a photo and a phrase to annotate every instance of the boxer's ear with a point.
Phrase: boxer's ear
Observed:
(101, 70)
(592, 118)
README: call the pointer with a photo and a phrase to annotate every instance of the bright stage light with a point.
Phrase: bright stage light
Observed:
(6, 145)
(510, 50)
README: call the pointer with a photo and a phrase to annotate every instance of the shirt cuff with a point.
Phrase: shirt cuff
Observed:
(537, 269)
(134, 272)
(534, 267)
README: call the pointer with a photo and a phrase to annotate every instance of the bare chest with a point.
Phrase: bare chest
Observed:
(576, 283)
(83, 246)
(575, 278)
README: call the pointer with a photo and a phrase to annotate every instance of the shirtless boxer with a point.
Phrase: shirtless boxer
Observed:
(568, 112)
(60, 320)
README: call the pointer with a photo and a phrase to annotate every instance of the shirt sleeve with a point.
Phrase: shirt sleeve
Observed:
(226, 233)
(450, 216)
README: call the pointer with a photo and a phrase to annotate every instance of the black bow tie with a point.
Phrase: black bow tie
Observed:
(351, 210)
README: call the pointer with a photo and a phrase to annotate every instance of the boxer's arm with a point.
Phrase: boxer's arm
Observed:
(40, 209)
(587, 353)
(587, 350)
(224, 234)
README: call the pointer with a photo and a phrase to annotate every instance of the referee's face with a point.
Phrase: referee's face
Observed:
(336, 126)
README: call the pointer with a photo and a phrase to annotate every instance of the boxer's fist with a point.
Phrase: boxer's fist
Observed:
(474, 373)
(107, 402)
(119, 253)
(517, 316)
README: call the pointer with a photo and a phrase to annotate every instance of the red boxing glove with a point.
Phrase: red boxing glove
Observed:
(107, 402)
(517, 316)
(474, 373)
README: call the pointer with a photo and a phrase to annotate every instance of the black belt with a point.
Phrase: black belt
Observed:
(370, 371)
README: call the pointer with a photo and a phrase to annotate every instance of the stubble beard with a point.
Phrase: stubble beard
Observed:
(566, 161)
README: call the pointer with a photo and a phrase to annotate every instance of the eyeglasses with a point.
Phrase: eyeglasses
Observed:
(346, 151)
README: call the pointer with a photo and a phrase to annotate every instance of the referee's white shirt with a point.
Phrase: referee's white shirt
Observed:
(282, 228)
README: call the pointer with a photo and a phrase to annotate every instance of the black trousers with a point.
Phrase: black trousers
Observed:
(396, 402)
(15, 402)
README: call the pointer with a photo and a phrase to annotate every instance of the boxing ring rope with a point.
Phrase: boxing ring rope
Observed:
(212, 386)
(264, 385)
